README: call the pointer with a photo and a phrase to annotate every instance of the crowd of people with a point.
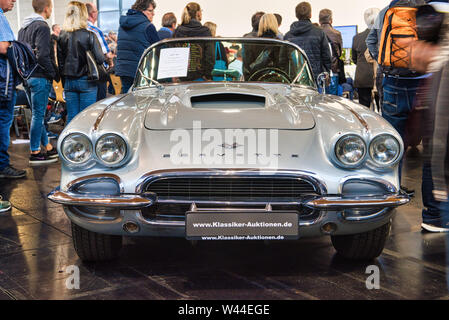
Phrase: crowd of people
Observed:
(65, 53)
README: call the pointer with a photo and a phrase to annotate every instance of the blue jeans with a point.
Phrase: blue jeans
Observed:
(333, 86)
(127, 82)
(79, 94)
(398, 98)
(39, 90)
(6, 118)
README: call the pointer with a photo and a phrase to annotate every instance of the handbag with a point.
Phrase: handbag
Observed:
(96, 72)
(219, 63)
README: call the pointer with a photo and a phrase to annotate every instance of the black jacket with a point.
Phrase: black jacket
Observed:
(364, 73)
(193, 29)
(72, 48)
(37, 35)
(314, 42)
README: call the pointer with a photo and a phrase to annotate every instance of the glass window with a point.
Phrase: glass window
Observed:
(108, 5)
(109, 20)
(127, 4)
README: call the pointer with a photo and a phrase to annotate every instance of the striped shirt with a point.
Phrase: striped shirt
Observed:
(100, 36)
(6, 33)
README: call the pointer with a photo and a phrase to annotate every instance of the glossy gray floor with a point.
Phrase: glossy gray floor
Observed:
(36, 249)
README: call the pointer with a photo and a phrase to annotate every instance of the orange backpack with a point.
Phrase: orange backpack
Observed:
(399, 27)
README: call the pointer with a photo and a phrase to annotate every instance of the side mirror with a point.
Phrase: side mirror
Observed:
(323, 81)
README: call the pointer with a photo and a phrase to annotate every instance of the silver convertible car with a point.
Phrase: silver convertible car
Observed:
(228, 139)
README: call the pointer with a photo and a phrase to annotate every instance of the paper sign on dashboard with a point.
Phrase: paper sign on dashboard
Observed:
(173, 63)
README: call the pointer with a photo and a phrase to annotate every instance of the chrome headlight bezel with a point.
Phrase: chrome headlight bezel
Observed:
(116, 163)
(341, 140)
(88, 144)
(389, 163)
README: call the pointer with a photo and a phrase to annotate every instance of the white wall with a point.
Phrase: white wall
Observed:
(233, 17)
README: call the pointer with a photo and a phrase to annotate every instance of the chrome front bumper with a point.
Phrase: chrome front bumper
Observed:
(329, 210)
(135, 201)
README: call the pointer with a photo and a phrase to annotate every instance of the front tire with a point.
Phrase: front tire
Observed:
(362, 246)
(94, 247)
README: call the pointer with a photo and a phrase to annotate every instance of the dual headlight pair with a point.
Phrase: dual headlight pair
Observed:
(110, 149)
(384, 150)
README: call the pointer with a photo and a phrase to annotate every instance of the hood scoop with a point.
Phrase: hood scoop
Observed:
(228, 101)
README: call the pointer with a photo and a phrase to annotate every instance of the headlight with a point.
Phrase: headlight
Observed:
(384, 150)
(350, 150)
(111, 149)
(76, 148)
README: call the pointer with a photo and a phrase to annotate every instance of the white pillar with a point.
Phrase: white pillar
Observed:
(19, 22)
(53, 19)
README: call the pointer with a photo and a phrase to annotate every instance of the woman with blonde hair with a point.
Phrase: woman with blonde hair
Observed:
(73, 44)
(268, 26)
(191, 23)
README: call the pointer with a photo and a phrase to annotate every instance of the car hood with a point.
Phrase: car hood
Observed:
(229, 106)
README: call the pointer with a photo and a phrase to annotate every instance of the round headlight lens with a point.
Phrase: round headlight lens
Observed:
(384, 150)
(350, 150)
(111, 149)
(76, 148)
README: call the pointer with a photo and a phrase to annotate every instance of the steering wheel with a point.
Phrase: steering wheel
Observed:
(270, 74)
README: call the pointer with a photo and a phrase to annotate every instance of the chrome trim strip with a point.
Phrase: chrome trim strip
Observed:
(362, 179)
(95, 178)
(339, 203)
(231, 173)
(125, 201)
(367, 217)
(159, 223)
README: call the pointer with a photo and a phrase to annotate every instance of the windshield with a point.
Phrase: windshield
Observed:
(226, 60)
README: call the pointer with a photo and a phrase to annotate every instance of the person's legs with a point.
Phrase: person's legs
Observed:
(127, 82)
(101, 90)
(398, 98)
(39, 90)
(88, 93)
(6, 119)
(72, 98)
(365, 96)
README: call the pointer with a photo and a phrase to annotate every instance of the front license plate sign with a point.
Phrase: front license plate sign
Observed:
(242, 226)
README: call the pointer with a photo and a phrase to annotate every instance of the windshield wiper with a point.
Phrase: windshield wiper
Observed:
(158, 85)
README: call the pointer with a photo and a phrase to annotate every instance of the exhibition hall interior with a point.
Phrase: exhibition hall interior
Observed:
(224, 151)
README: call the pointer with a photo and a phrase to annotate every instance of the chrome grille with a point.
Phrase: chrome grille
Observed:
(267, 189)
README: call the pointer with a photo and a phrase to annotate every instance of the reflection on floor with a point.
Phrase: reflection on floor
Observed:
(36, 249)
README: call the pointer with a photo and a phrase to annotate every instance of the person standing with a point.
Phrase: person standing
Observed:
(280, 36)
(336, 42)
(311, 39)
(7, 101)
(91, 20)
(255, 20)
(36, 32)
(73, 44)
(136, 33)
(168, 26)
(399, 85)
(364, 72)
(191, 23)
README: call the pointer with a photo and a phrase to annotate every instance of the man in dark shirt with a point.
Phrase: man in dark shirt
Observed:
(336, 42)
(168, 26)
(36, 32)
(311, 39)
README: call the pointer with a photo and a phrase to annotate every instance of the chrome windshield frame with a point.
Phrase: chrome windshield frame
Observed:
(227, 39)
